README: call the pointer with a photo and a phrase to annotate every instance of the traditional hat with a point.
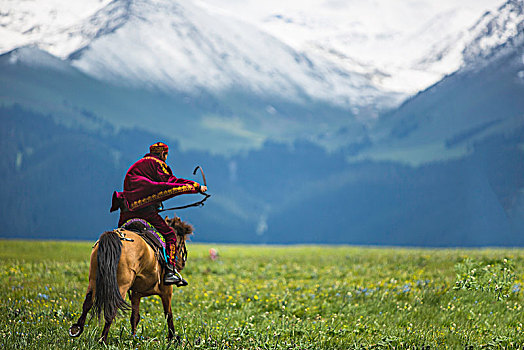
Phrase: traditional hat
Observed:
(158, 147)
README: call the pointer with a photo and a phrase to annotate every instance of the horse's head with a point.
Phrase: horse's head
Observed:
(183, 231)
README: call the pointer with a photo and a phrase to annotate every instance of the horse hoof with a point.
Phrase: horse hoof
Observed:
(75, 330)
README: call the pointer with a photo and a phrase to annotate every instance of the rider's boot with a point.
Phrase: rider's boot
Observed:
(172, 276)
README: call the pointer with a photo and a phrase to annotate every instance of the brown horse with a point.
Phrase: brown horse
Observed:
(122, 262)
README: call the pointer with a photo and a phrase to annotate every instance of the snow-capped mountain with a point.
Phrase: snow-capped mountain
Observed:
(492, 35)
(44, 23)
(366, 57)
(496, 33)
(398, 44)
(479, 101)
(208, 69)
(178, 46)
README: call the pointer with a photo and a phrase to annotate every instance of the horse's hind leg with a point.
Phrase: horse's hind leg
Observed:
(76, 329)
(135, 310)
(166, 303)
(123, 290)
(105, 331)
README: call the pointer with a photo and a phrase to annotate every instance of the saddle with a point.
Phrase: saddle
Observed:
(152, 237)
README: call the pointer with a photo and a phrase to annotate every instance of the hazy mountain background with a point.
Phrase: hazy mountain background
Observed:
(315, 122)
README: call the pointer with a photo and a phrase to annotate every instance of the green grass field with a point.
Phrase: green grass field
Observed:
(273, 297)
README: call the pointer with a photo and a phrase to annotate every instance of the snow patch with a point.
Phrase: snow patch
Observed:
(35, 57)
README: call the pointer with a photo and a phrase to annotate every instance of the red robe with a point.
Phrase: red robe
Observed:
(149, 182)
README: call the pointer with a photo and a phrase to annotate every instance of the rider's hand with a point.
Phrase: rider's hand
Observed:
(203, 189)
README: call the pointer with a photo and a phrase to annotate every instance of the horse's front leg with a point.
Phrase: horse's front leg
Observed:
(166, 303)
(135, 311)
(76, 329)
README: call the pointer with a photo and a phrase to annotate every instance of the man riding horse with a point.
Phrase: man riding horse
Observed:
(147, 183)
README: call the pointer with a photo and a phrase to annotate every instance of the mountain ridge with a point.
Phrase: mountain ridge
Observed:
(298, 74)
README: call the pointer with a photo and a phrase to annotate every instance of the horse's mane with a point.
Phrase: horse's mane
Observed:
(181, 228)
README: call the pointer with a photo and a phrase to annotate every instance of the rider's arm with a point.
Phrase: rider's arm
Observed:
(165, 175)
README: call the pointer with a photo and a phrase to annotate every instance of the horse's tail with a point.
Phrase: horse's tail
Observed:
(107, 294)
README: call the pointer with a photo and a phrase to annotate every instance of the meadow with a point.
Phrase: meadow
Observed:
(279, 297)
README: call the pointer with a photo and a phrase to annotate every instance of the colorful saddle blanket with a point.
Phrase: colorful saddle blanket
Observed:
(150, 234)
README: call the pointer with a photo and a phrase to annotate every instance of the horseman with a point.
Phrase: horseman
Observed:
(147, 183)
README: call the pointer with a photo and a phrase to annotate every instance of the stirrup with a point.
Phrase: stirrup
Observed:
(174, 278)
(171, 278)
